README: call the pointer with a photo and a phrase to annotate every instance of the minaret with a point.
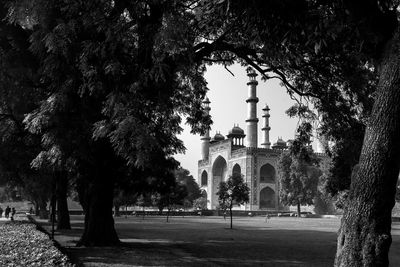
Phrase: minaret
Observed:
(205, 139)
(266, 128)
(252, 110)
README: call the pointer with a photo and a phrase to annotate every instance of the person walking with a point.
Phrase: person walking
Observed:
(267, 217)
(7, 212)
(12, 213)
(1, 212)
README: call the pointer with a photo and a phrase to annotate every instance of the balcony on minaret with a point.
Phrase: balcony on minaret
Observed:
(252, 77)
(236, 134)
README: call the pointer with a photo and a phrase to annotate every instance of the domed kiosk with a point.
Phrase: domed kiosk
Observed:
(237, 135)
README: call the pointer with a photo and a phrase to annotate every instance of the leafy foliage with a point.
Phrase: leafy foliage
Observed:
(200, 203)
(192, 188)
(171, 198)
(299, 171)
(114, 79)
(19, 94)
(233, 192)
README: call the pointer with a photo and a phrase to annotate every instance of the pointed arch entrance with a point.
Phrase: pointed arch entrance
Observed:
(218, 175)
(204, 178)
(236, 169)
(267, 198)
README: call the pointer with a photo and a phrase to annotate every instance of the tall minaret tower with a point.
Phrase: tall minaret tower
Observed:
(205, 139)
(252, 110)
(266, 128)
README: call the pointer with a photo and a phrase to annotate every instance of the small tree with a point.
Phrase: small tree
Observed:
(234, 191)
(200, 203)
(299, 171)
(144, 200)
(171, 198)
(176, 197)
(183, 177)
(122, 198)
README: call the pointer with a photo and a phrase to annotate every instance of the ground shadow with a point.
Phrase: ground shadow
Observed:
(196, 242)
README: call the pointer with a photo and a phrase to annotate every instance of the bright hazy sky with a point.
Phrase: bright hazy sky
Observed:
(228, 96)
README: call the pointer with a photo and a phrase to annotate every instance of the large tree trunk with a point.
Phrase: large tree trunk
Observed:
(63, 221)
(298, 209)
(43, 212)
(37, 209)
(230, 213)
(99, 223)
(168, 211)
(116, 211)
(364, 236)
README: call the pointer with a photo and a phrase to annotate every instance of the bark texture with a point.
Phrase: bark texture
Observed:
(298, 209)
(63, 221)
(117, 211)
(43, 212)
(99, 223)
(364, 236)
(230, 213)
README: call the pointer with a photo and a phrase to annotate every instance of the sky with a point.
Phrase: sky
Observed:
(228, 96)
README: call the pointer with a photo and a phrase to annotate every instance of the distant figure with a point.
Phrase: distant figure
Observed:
(7, 212)
(12, 214)
(267, 217)
(1, 212)
(31, 211)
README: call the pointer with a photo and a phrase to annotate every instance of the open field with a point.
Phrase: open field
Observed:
(208, 241)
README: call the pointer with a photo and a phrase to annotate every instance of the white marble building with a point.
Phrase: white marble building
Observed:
(223, 156)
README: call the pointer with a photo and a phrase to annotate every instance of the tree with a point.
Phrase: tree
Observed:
(171, 198)
(61, 191)
(200, 203)
(145, 200)
(18, 97)
(233, 192)
(358, 46)
(192, 187)
(299, 182)
(122, 198)
(299, 172)
(324, 203)
(398, 191)
(132, 68)
(117, 98)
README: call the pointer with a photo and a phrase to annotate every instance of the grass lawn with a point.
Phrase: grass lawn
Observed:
(208, 241)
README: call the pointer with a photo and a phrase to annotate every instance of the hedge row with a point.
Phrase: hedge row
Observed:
(22, 244)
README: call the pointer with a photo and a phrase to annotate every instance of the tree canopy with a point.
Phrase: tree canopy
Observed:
(232, 192)
(299, 171)
(111, 79)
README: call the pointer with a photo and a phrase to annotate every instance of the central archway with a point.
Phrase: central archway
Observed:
(218, 175)
(267, 198)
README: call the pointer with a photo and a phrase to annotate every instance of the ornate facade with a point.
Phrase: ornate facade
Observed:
(221, 157)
